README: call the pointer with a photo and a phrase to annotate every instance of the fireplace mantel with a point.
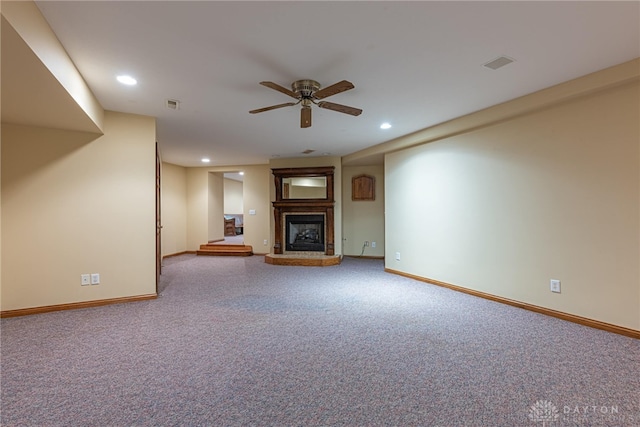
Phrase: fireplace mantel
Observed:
(283, 205)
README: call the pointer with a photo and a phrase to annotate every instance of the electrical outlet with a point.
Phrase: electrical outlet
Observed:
(397, 256)
(265, 242)
(85, 279)
(555, 285)
(373, 244)
(95, 278)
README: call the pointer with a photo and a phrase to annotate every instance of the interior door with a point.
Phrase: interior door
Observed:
(158, 219)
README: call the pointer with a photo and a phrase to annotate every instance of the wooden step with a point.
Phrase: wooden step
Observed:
(212, 249)
(207, 246)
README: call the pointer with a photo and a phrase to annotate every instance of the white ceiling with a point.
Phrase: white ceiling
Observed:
(413, 64)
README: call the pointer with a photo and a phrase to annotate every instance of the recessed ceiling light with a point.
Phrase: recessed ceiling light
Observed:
(127, 80)
(205, 160)
(385, 125)
(241, 173)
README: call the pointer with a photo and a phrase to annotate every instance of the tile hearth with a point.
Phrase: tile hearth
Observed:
(305, 259)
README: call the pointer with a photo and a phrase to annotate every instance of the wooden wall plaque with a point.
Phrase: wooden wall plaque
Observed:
(363, 187)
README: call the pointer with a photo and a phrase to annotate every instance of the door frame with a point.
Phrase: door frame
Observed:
(158, 217)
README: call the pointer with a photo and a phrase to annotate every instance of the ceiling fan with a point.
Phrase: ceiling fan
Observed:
(307, 92)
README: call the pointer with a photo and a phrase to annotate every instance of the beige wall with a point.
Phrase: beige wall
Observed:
(233, 203)
(197, 207)
(552, 194)
(304, 162)
(255, 198)
(75, 204)
(174, 209)
(257, 193)
(40, 83)
(363, 220)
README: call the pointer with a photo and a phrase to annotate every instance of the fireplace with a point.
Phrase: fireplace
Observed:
(303, 217)
(304, 233)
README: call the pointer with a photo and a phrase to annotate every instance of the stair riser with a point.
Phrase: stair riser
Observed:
(224, 247)
(221, 253)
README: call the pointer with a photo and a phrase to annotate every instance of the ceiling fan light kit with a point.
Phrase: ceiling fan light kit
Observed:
(308, 92)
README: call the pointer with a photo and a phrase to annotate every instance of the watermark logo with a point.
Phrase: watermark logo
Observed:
(543, 411)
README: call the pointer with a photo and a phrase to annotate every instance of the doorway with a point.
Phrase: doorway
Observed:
(233, 207)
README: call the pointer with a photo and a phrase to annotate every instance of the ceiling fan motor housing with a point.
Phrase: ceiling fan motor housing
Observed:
(305, 88)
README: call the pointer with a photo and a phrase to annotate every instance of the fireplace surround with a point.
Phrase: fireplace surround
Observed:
(311, 210)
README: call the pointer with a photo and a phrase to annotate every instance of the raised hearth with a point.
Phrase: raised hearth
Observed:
(303, 260)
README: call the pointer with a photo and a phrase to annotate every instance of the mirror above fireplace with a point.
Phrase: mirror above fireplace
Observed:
(311, 187)
(304, 183)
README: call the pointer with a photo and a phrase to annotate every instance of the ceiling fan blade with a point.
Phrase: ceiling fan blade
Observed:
(333, 89)
(305, 117)
(279, 88)
(340, 108)
(273, 107)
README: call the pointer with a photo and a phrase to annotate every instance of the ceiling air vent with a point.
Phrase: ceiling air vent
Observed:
(309, 151)
(173, 104)
(499, 62)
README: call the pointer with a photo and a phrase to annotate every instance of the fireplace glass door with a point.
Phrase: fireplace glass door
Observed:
(304, 233)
